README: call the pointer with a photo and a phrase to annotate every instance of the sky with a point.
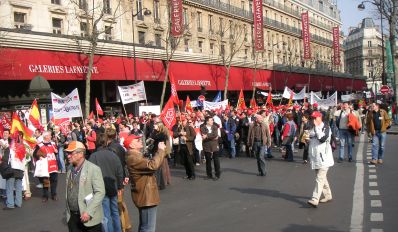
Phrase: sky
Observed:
(350, 15)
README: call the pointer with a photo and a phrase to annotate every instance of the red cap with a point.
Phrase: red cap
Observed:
(316, 114)
(129, 139)
(296, 106)
(315, 105)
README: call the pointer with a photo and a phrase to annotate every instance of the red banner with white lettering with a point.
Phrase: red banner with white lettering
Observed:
(176, 17)
(305, 24)
(336, 46)
(258, 24)
(168, 114)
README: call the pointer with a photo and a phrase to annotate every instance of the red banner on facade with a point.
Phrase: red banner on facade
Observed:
(306, 35)
(336, 46)
(258, 24)
(176, 17)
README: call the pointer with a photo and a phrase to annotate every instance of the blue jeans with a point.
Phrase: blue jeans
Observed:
(232, 147)
(12, 183)
(147, 219)
(345, 138)
(289, 152)
(111, 213)
(61, 159)
(378, 142)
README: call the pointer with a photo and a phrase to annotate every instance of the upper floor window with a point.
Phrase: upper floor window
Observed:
(108, 33)
(158, 40)
(370, 44)
(107, 7)
(141, 37)
(58, 2)
(185, 16)
(211, 23)
(19, 19)
(83, 4)
(57, 25)
(83, 29)
(140, 16)
(156, 8)
(200, 26)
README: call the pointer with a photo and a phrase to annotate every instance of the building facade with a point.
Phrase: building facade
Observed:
(53, 38)
(363, 53)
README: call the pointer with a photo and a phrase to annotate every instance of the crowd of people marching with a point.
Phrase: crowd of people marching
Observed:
(141, 150)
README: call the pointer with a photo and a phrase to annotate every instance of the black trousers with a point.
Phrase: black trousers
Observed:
(76, 225)
(209, 157)
(49, 183)
(188, 161)
(305, 152)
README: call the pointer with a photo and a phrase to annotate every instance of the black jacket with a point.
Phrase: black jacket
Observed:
(111, 169)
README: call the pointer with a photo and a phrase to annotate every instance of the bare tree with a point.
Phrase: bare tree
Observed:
(171, 45)
(235, 41)
(90, 17)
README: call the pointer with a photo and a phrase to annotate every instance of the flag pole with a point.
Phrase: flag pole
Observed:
(125, 112)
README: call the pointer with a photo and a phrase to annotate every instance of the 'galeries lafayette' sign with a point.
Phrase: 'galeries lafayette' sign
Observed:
(336, 46)
(42, 68)
(194, 83)
(176, 17)
(258, 25)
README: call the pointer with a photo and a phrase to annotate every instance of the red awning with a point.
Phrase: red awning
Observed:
(24, 64)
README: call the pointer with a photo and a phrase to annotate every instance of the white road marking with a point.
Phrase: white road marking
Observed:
(376, 230)
(376, 217)
(372, 170)
(358, 198)
(374, 192)
(372, 177)
(371, 166)
(375, 203)
(373, 184)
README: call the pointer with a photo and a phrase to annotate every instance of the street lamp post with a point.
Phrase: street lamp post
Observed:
(146, 13)
(361, 7)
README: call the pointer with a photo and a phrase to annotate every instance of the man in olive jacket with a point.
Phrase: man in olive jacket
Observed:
(209, 133)
(144, 189)
(85, 191)
(377, 122)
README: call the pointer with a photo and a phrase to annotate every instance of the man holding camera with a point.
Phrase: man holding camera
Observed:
(144, 190)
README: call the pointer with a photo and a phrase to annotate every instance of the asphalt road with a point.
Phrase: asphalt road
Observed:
(242, 201)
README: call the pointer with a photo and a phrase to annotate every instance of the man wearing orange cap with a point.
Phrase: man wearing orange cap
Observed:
(85, 191)
(144, 189)
(321, 157)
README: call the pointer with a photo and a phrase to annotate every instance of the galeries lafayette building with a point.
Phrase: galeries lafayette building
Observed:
(25, 64)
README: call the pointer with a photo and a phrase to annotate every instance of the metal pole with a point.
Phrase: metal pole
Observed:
(383, 76)
(134, 61)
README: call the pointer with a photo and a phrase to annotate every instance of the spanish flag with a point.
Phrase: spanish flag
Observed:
(34, 115)
(18, 125)
(188, 107)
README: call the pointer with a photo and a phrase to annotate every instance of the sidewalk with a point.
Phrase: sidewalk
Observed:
(393, 130)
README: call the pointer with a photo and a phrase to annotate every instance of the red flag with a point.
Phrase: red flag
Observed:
(168, 114)
(241, 101)
(305, 24)
(63, 124)
(1, 130)
(91, 116)
(98, 108)
(173, 88)
(269, 99)
(176, 18)
(188, 107)
(34, 115)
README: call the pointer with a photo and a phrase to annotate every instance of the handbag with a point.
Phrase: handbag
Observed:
(41, 169)
(6, 171)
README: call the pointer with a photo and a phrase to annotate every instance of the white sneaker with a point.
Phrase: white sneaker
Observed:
(313, 203)
(325, 199)
(197, 164)
(40, 186)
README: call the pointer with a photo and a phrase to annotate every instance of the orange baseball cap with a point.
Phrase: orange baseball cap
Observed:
(74, 145)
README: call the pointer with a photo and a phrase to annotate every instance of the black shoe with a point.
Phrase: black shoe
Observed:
(44, 199)
(350, 160)
(192, 178)
(16, 206)
(270, 156)
(260, 174)
(186, 177)
(340, 160)
(216, 178)
(54, 198)
(208, 178)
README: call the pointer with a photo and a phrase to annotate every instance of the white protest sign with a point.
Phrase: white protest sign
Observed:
(215, 105)
(132, 93)
(67, 107)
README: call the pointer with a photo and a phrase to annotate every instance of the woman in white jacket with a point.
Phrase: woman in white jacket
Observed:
(321, 157)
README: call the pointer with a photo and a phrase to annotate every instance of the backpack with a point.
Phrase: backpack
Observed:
(338, 119)
(353, 124)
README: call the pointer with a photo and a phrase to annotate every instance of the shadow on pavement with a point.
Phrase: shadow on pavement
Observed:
(274, 194)
(238, 171)
(309, 228)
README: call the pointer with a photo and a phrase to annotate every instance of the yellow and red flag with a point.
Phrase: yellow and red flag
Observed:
(290, 99)
(98, 108)
(188, 107)
(34, 115)
(241, 101)
(18, 125)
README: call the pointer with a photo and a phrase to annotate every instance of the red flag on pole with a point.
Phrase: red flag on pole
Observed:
(188, 107)
(168, 114)
(269, 99)
(98, 108)
(241, 101)
(173, 88)
(34, 115)
(63, 124)
(1, 130)
(91, 116)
